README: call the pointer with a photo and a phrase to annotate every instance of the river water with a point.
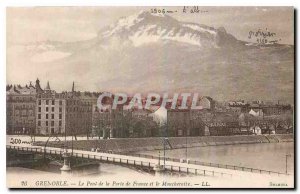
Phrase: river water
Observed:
(268, 156)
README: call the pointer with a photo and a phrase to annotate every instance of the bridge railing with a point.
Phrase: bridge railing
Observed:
(234, 167)
(171, 168)
(196, 171)
(35, 150)
(149, 165)
(216, 165)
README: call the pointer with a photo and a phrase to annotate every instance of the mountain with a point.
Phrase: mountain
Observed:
(144, 28)
(156, 53)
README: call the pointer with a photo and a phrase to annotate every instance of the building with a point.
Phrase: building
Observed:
(189, 122)
(181, 123)
(50, 111)
(178, 123)
(142, 123)
(237, 107)
(20, 109)
(68, 113)
(276, 109)
(269, 108)
(222, 124)
(80, 111)
(101, 122)
(33, 110)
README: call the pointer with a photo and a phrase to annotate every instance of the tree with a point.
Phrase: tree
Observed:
(99, 131)
(288, 122)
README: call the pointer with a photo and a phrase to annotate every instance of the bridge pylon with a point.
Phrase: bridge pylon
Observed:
(66, 168)
(158, 168)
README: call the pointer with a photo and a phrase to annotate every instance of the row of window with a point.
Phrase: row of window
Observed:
(48, 101)
(73, 109)
(52, 130)
(69, 109)
(18, 122)
(52, 123)
(23, 113)
(47, 116)
(20, 107)
(21, 98)
(69, 102)
(47, 109)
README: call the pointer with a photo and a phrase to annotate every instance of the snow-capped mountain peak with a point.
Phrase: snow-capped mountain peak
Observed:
(145, 27)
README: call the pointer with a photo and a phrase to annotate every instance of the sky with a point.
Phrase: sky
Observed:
(32, 24)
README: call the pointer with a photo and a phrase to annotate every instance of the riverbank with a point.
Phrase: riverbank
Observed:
(125, 145)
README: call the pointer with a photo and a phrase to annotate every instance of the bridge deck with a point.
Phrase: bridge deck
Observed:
(141, 162)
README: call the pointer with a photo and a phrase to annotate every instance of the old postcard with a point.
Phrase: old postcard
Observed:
(150, 97)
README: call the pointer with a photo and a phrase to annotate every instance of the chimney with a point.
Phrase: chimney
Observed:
(37, 86)
(73, 87)
(48, 86)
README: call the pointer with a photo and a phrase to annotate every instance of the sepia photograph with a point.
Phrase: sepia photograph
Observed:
(152, 97)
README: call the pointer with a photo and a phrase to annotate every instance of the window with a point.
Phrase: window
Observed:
(60, 116)
(52, 123)
(39, 123)
(47, 109)
(180, 132)
(60, 102)
(52, 109)
(46, 116)
(60, 123)
(52, 116)
(46, 123)
(39, 116)
(53, 102)
(40, 109)
(60, 109)
(40, 102)
(47, 102)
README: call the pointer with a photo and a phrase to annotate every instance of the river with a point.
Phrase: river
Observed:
(267, 156)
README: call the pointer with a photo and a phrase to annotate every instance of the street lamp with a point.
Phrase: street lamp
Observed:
(186, 147)
(158, 158)
(165, 139)
(72, 144)
(286, 162)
